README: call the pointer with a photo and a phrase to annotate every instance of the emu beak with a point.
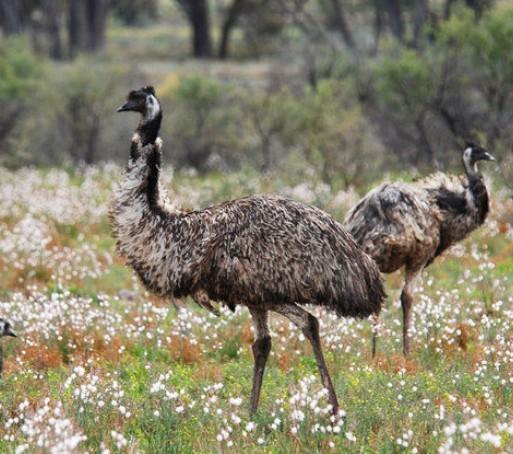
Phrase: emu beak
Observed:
(10, 332)
(123, 108)
(489, 157)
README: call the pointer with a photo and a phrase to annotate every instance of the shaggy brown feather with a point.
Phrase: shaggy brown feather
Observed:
(256, 251)
(263, 252)
(408, 225)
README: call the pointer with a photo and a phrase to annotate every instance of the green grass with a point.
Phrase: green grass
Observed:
(93, 348)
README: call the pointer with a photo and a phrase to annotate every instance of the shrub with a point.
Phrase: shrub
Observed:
(86, 97)
(334, 135)
(204, 120)
(20, 76)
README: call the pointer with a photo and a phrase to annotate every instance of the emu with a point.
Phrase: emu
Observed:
(264, 252)
(409, 225)
(5, 330)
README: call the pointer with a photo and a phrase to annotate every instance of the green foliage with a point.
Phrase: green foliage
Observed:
(136, 12)
(404, 80)
(84, 98)
(333, 133)
(203, 123)
(489, 43)
(20, 72)
(272, 117)
(20, 81)
(199, 93)
(493, 44)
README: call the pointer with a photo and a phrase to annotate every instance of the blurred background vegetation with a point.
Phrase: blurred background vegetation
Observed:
(339, 90)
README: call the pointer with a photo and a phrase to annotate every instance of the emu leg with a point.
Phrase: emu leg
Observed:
(309, 325)
(375, 333)
(261, 348)
(406, 304)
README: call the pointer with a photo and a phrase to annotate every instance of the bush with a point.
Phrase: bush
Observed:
(86, 97)
(334, 135)
(203, 120)
(271, 116)
(20, 77)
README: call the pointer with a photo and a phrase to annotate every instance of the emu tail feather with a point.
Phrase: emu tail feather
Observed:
(364, 294)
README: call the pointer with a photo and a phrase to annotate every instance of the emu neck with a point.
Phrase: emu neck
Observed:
(149, 128)
(470, 167)
(479, 194)
(142, 180)
(476, 190)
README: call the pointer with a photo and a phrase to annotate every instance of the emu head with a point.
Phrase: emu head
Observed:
(6, 328)
(142, 101)
(472, 154)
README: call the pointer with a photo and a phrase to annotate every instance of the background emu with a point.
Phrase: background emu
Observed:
(5, 330)
(401, 224)
(264, 252)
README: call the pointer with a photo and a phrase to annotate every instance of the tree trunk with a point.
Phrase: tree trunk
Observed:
(10, 17)
(202, 43)
(96, 21)
(478, 6)
(421, 9)
(76, 27)
(229, 22)
(198, 16)
(378, 25)
(340, 22)
(448, 8)
(395, 18)
(53, 31)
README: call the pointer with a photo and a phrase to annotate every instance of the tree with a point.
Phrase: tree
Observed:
(204, 124)
(404, 93)
(232, 14)
(340, 22)
(395, 18)
(419, 18)
(76, 27)
(96, 12)
(334, 135)
(86, 96)
(10, 17)
(198, 15)
(136, 12)
(271, 115)
(20, 74)
(52, 28)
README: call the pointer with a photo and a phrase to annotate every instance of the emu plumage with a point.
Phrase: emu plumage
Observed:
(267, 253)
(410, 224)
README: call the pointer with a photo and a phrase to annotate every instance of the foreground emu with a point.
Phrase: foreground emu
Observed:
(264, 252)
(401, 224)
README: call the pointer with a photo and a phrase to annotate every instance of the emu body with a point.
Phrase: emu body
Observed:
(409, 225)
(267, 253)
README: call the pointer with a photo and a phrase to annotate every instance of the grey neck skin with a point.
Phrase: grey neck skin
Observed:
(469, 164)
(149, 125)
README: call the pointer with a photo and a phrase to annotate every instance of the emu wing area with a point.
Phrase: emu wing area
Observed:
(262, 251)
(397, 225)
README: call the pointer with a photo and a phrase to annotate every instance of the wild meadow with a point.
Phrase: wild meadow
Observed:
(100, 365)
